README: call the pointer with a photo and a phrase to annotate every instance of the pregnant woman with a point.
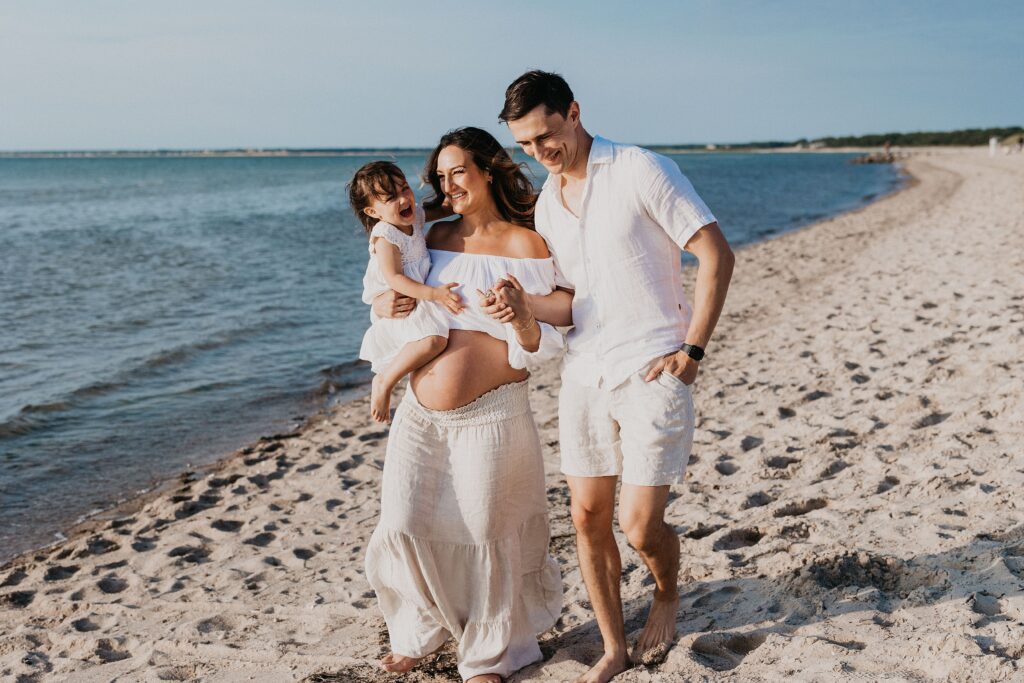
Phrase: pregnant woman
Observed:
(461, 549)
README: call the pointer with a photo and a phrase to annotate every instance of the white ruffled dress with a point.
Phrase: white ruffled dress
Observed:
(387, 336)
(461, 549)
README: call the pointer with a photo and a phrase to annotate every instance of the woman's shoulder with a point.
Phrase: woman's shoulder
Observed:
(525, 243)
(441, 233)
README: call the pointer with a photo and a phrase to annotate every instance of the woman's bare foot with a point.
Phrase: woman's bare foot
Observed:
(485, 678)
(398, 663)
(660, 628)
(609, 666)
(380, 399)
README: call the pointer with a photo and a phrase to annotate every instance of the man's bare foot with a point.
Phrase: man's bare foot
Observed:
(380, 400)
(609, 666)
(485, 678)
(660, 628)
(398, 663)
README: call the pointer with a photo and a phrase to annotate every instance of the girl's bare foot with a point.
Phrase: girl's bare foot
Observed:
(398, 663)
(380, 400)
(485, 678)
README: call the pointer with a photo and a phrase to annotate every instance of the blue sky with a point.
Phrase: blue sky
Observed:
(224, 73)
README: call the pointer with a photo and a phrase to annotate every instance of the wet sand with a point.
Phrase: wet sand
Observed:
(851, 510)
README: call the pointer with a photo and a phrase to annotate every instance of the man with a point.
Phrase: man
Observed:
(615, 218)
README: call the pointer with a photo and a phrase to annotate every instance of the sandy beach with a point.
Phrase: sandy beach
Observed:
(851, 511)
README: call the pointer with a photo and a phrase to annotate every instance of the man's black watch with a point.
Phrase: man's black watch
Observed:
(694, 352)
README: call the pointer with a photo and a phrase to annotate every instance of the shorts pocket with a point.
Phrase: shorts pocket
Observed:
(672, 380)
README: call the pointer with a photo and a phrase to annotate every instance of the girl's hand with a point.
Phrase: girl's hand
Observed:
(447, 298)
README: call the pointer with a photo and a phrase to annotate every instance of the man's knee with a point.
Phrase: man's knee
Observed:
(646, 539)
(592, 518)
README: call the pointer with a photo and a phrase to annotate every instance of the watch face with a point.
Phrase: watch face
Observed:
(694, 352)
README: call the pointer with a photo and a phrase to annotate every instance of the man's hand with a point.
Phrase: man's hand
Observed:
(493, 308)
(507, 302)
(678, 364)
(391, 304)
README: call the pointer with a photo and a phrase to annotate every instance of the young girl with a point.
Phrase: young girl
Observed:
(386, 206)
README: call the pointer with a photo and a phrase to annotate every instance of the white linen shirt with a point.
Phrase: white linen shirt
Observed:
(622, 256)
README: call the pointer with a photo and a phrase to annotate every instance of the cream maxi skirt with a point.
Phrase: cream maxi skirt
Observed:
(461, 549)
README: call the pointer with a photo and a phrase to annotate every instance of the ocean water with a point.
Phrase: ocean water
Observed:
(157, 313)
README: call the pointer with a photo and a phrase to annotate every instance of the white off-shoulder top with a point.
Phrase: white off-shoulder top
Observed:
(482, 271)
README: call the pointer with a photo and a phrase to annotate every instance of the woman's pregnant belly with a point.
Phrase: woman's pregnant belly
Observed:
(471, 365)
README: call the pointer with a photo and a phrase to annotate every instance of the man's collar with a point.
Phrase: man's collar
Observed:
(601, 151)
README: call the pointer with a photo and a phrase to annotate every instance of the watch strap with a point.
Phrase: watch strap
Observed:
(693, 351)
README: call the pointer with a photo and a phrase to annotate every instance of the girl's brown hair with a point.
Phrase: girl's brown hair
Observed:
(511, 189)
(375, 180)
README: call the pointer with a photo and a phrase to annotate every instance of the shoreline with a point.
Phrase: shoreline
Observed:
(412, 151)
(850, 508)
(130, 503)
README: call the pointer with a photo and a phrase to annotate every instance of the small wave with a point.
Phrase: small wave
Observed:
(52, 407)
(33, 417)
(348, 375)
(17, 426)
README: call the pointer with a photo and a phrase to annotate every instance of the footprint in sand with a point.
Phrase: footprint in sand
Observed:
(190, 553)
(703, 531)
(834, 468)
(14, 578)
(800, 508)
(60, 573)
(986, 604)
(886, 484)
(84, 625)
(107, 651)
(930, 420)
(97, 545)
(260, 540)
(304, 553)
(216, 623)
(143, 543)
(725, 651)
(226, 525)
(750, 442)
(716, 598)
(111, 584)
(756, 500)
(738, 538)
(373, 436)
(780, 462)
(815, 395)
(17, 599)
(726, 467)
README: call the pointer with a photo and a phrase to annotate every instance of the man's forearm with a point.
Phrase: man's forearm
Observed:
(554, 308)
(713, 276)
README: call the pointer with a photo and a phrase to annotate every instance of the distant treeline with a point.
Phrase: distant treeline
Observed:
(968, 136)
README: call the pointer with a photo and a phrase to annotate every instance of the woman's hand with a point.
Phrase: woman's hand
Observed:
(391, 304)
(498, 310)
(509, 292)
(508, 302)
(447, 298)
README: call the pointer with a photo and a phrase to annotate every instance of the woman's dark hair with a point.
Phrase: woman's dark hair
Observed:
(375, 180)
(533, 89)
(511, 189)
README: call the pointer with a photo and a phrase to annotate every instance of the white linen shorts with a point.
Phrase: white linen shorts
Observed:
(641, 431)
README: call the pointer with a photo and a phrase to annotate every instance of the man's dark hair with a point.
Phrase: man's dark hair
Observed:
(533, 89)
